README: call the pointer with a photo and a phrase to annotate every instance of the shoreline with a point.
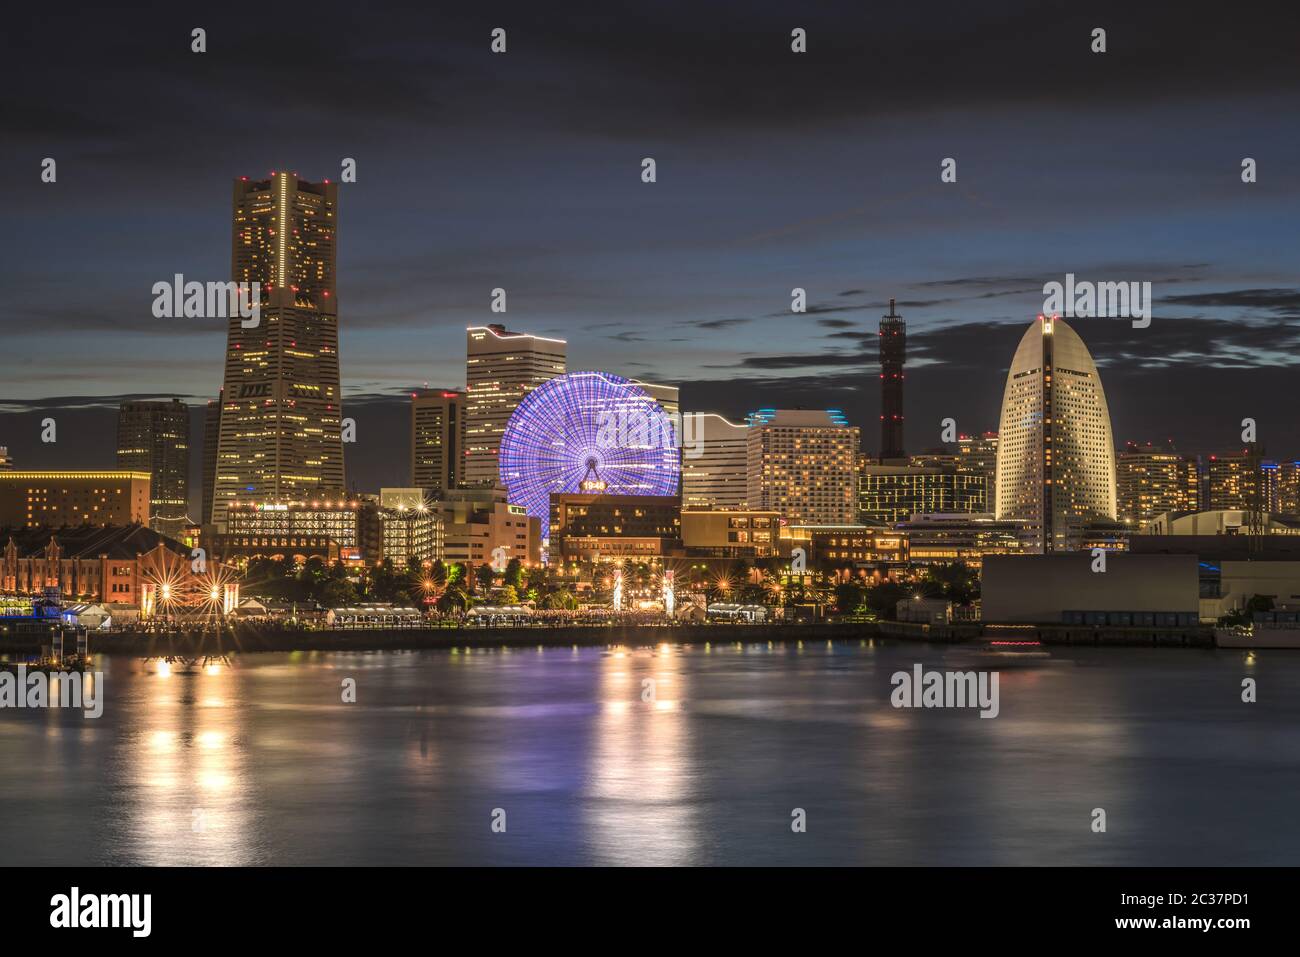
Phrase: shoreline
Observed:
(253, 639)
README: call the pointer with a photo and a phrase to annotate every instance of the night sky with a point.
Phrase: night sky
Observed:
(775, 170)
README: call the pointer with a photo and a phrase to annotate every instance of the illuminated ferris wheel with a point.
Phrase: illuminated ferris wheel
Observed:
(587, 432)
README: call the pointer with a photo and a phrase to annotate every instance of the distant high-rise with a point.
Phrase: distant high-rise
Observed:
(1288, 493)
(6, 461)
(1233, 480)
(281, 438)
(501, 367)
(801, 463)
(980, 454)
(1151, 480)
(437, 440)
(154, 437)
(893, 353)
(211, 437)
(713, 461)
(888, 494)
(1056, 454)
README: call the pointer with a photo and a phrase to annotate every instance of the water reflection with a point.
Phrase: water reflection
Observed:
(184, 759)
(640, 807)
(659, 756)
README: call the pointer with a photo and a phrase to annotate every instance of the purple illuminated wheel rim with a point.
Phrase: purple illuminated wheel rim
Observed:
(583, 425)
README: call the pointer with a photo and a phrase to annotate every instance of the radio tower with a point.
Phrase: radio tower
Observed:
(893, 351)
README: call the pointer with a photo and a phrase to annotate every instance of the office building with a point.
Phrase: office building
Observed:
(730, 533)
(501, 367)
(888, 494)
(403, 536)
(338, 520)
(938, 539)
(1151, 480)
(154, 437)
(437, 440)
(801, 463)
(1231, 480)
(54, 498)
(1056, 451)
(281, 418)
(600, 527)
(979, 453)
(211, 439)
(714, 452)
(847, 546)
(478, 521)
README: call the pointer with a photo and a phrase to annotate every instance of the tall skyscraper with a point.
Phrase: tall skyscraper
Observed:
(1151, 480)
(281, 426)
(1056, 453)
(437, 440)
(893, 353)
(154, 437)
(801, 463)
(501, 367)
(714, 454)
(211, 438)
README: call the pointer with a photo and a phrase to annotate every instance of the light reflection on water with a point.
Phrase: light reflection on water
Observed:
(262, 762)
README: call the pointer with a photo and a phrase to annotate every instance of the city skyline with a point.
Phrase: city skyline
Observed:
(609, 263)
(732, 434)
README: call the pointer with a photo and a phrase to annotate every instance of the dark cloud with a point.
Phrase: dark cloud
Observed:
(1286, 301)
(721, 323)
(776, 170)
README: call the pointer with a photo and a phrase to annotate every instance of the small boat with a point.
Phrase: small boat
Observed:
(1259, 635)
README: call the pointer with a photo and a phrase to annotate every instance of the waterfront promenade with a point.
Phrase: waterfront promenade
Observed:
(251, 637)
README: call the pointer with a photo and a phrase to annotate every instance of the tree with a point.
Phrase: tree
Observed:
(883, 598)
(1258, 603)
(337, 593)
(438, 573)
(456, 573)
(515, 575)
(508, 596)
(848, 596)
(453, 599)
(560, 600)
(956, 581)
(485, 575)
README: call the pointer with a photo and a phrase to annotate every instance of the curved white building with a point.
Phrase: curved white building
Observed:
(1056, 453)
